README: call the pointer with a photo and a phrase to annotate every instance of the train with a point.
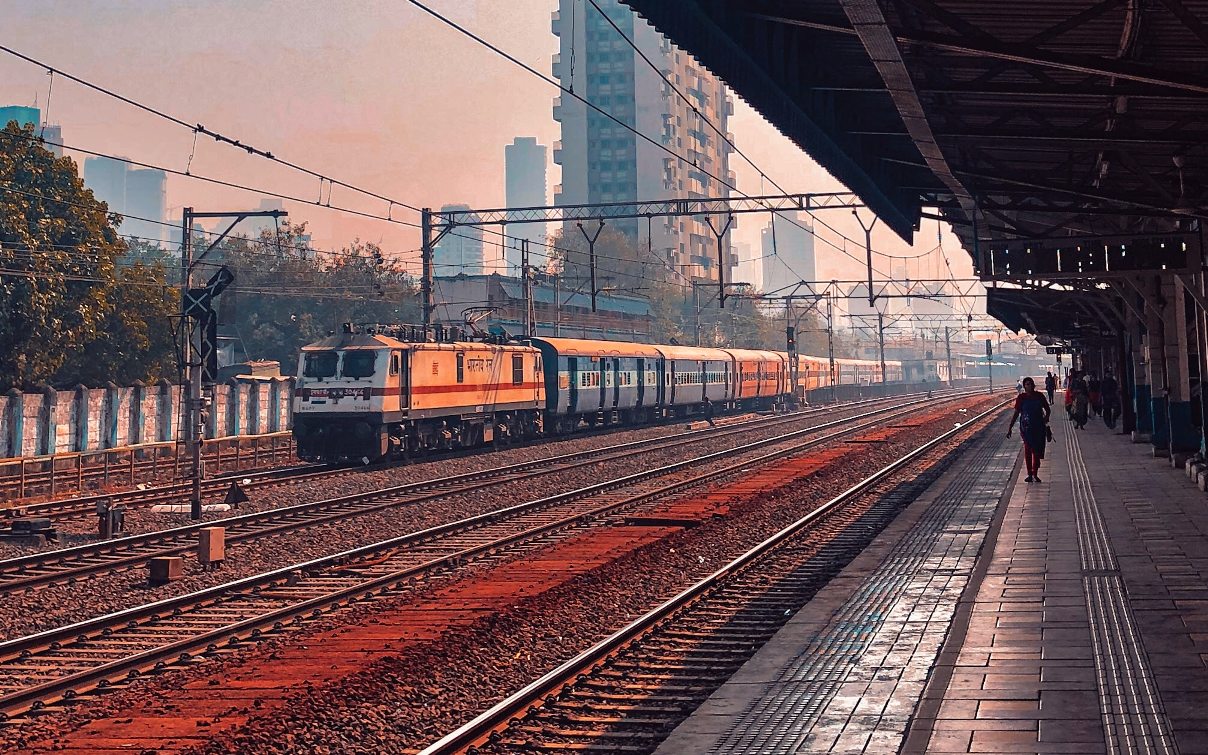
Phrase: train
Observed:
(374, 393)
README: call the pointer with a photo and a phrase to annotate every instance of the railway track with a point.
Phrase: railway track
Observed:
(61, 663)
(214, 488)
(628, 692)
(78, 562)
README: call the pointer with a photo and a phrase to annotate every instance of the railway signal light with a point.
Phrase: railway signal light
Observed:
(790, 334)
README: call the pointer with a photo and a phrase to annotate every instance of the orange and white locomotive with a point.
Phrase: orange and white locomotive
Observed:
(370, 395)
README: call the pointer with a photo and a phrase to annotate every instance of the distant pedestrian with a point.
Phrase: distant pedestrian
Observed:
(709, 412)
(1050, 385)
(1032, 411)
(1082, 400)
(1070, 376)
(1109, 389)
(1019, 386)
(1093, 386)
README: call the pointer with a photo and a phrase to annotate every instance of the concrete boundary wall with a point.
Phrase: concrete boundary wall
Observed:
(93, 419)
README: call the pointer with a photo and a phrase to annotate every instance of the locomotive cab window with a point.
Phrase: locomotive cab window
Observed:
(359, 364)
(320, 364)
(461, 367)
(394, 363)
(517, 369)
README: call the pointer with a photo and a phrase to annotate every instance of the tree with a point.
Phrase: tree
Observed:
(287, 295)
(59, 249)
(135, 340)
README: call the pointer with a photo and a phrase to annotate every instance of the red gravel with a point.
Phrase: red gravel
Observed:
(59, 605)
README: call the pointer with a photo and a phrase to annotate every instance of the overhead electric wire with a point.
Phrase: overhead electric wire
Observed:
(6, 186)
(553, 82)
(201, 129)
(198, 128)
(221, 138)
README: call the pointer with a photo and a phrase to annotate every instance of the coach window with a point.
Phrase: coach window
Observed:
(517, 369)
(359, 364)
(461, 367)
(320, 364)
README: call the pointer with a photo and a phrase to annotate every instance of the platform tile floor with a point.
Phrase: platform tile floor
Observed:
(1068, 616)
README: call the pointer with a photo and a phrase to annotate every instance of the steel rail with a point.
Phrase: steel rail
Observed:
(478, 730)
(26, 648)
(68, 564)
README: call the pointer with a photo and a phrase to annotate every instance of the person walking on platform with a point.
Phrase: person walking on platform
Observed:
(1082, 400)
(709, 411)
(1109, 389)
(1032, 411)
(1050, 385)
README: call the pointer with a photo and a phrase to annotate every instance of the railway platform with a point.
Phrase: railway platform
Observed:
(1069, 616)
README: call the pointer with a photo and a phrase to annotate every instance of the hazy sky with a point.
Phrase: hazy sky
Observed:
(372, 92)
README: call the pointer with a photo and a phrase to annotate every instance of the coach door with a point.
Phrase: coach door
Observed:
(400, 370)
(608, 383)
(572, 368)
(641, 376)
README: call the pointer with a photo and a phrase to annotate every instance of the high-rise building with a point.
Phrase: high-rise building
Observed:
(524, 176)
(146, 197)
(53, 134)
(747, 270)
(107, 179)
(460, 251)
(138, 193)
(32, 116)
(787, 246)
(24, 116)
(605, 162)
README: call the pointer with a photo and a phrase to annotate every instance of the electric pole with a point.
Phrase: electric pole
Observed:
(830, 343)
(872, 298)
(881, 342)
(591, 255)
(721, 254)
(190, 426)
(198, 334)
(948, 352)
(530, 315)
(426, 243)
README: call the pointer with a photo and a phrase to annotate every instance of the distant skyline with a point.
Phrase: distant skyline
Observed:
(373, 93)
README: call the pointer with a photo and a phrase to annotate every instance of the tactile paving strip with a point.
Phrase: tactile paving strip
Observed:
(859, 679)
(1134, 720)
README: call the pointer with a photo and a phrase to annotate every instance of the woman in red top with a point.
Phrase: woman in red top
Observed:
(1032, 411)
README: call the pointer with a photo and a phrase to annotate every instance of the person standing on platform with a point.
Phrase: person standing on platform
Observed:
(1110, 391)
(709, 411)
(1050, 385)
(1070, 376)
(1032, 411)
(1019, 386)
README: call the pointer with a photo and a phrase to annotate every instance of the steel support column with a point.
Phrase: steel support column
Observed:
(1142, 390)
(1177, 352)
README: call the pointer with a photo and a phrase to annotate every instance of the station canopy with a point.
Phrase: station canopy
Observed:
(1063, 140)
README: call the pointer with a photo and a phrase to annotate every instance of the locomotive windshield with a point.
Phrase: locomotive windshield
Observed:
(320, 364)
(359, 364)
